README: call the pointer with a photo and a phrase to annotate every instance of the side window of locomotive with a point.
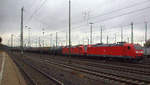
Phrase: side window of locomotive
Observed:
(85, 48)
(129, 47)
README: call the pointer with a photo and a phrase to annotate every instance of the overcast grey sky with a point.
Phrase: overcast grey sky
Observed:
(52, 15)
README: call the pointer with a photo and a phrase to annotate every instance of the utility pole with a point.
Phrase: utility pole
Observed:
(21, 35)
(12, 40)
(132, 32)
(69, 30)
(145, 36)
(128, 39)
(121, 34)
(101, 36)
(107, 39)
(56, 39)
(91, 33)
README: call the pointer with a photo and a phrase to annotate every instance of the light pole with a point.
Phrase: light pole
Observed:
(43, 36)
(29, 43)
(26, 27)
(91, 32)
(101, 35)
(51, 40)
(21, 34)
(145, 36)
(145, 32)
(115, 38)
(39, 42)
(131, 32)
(121, 34)
(12, 40)
(56, 39)
(107, 39)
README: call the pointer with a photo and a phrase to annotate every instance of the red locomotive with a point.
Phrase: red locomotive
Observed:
(75, 50)
(119, 50)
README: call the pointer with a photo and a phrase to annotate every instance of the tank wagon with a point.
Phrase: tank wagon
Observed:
(147, 51)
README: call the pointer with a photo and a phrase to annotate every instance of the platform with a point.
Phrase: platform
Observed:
(9, 73)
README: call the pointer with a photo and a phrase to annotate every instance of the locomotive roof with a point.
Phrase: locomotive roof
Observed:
(115, 44)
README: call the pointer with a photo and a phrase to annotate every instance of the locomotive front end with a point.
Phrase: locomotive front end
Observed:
(139, 51)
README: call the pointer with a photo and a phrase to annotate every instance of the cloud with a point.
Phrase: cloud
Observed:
(53, 17)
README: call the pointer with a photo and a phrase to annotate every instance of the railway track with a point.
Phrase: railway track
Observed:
(119, 63)
(102, 74)
(43, 79)
(129, 68)
(30, 80)
(44, 67)
(112, 67)
(106, 75)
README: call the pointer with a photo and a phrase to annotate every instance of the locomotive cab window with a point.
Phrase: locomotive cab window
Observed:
(138, 47)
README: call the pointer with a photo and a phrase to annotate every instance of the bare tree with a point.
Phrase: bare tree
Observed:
(0, 40)
(147, 44)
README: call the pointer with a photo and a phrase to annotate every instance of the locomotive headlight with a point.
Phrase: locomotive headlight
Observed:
(139, 51)
(142, 51)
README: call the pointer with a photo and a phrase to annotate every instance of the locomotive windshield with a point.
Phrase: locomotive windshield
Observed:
(138, 47)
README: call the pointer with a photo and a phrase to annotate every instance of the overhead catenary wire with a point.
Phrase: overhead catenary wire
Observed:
(120, 9)
(30, 18)
(64, 30)
(113, 17)
(114, 11)
(127, 7)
